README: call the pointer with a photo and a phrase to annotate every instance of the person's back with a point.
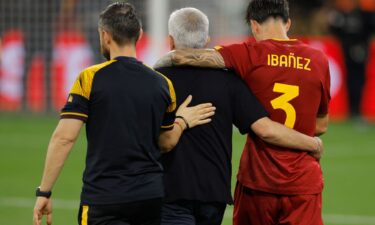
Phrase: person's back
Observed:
(292, 82)
(198, 172)
(289, 79)
(117, 118)
(200, 166)
(129, 110)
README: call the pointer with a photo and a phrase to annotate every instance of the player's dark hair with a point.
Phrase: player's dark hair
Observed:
(261, 10)
(121, 21)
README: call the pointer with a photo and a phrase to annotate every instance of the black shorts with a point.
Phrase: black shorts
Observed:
(146, 212)
(186, 212)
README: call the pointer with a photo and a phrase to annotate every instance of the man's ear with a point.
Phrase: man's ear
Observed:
(107, 38)
(288, 25)
(255, 27)
(171, 43)
(140, 35)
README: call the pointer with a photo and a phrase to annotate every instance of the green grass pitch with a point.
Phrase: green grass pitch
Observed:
(348, 165)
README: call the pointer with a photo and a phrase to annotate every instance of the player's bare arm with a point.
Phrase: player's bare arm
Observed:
(59, 148)
(192, 57)
(321, 124)
(278, 134)
(186, 118)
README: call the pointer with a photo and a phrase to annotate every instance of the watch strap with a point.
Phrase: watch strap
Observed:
(39, 193)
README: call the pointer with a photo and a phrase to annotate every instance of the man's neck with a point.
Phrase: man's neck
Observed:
(127, 50)
(275, 37)
(274, 29)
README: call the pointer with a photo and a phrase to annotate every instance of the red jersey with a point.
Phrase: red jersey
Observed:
(292, 82)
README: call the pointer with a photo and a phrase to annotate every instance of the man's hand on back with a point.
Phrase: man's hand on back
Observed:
(319, 151)
(195, 115)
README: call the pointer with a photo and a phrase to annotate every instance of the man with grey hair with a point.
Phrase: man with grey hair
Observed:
(188, 28)
(198, 172)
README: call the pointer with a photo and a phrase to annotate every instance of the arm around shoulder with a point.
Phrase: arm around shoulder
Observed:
(198, 57)
(192, 57)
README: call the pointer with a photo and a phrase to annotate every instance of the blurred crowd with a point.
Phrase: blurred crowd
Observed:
(352, 22)
(47, 29)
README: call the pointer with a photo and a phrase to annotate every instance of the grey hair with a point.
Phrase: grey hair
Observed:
(189, 28)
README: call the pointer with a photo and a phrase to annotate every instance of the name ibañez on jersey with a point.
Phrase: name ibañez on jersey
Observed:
(291, 61)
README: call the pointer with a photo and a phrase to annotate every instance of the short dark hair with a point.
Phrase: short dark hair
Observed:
(121, 21)
(261, 10)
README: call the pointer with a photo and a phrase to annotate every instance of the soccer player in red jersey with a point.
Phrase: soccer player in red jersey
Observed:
(292, 81)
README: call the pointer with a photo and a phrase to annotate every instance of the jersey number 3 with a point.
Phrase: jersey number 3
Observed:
(282, 102)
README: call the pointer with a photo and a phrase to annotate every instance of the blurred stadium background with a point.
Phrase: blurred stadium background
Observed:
(45, 43)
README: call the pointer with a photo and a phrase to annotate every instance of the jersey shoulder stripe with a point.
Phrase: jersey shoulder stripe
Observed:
(82, 85)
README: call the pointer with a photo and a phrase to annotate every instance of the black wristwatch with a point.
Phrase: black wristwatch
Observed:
(39, 193)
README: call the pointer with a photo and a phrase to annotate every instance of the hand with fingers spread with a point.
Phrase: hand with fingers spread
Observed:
(318, 153)
(195, 115)
(43, 206)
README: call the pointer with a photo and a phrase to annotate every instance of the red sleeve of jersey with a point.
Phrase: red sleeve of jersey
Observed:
(326, 96)
(236, 57)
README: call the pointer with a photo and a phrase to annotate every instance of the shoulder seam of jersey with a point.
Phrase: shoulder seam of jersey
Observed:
(95, 68)
(83, 84)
